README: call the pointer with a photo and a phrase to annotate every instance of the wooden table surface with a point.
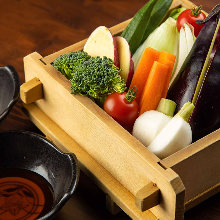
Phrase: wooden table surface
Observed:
(46, 26)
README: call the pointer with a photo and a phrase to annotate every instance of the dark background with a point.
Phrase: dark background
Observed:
(46, 26)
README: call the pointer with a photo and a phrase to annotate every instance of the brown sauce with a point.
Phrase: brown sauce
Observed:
(24, 195)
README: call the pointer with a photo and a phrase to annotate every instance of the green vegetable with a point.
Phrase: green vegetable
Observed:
(93, 77)
(186, 111)
(158, 13)
(135, 30)
(176, 12)
(144, 22)
(167, 107)
(68, 63)
(165, 37)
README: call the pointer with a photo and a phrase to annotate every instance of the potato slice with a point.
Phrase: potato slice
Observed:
(101, 43)
(126, 62)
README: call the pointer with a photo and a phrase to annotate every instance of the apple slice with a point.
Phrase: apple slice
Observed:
(126, 62)
(101, 43)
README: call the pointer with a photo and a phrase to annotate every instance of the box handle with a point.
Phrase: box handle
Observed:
(147, 197)
(31, 91)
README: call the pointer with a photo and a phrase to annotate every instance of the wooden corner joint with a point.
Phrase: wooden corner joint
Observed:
(31, 91)
(147, 197)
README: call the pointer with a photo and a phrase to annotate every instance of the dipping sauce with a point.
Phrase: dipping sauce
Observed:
(24, 195)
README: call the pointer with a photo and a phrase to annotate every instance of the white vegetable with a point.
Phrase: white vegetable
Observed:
(165, 37)
(126, 62)
(176, 135)
(148, 125)
(101, 43)
(186, 41)
(190, 38)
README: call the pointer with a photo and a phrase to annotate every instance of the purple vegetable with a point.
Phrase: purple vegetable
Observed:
(199, 79)
(206, 116)
(216, 45)
(184, 86)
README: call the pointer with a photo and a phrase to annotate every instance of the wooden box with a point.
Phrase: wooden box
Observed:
(141, 184)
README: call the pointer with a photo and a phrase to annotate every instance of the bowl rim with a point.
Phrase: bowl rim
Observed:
(75, 172)
(13, 73)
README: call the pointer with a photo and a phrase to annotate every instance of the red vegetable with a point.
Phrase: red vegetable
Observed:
(190, 16)
(123, 108)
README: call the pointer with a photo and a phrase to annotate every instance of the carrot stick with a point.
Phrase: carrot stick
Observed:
(168, 56)
(141, 75)
(154, 87)
(168, 59)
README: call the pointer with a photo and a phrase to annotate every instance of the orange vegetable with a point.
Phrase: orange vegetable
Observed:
(168, 56)
(168, 59)
(141, 74)
(154, 87)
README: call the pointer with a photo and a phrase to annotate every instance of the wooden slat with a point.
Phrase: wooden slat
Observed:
(202, 196)
(186, 3)
(77, 46)
(32, 91)
(198, 167)
(121, 196)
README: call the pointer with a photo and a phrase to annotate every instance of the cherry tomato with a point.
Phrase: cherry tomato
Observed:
(190, 16)
(122, 108)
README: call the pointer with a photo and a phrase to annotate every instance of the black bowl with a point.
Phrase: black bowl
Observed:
(9, 89)
(29, 151)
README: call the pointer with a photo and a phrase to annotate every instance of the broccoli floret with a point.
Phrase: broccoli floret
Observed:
(67, 63)
(94, 77)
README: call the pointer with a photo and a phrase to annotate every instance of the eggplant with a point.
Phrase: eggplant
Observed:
(184, 86)
(216, 45)
(198, 80)
(206, 116)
